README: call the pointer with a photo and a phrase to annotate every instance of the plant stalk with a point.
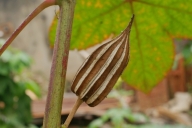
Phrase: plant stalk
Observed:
(52, 117)
(40, 8)
(72, 113)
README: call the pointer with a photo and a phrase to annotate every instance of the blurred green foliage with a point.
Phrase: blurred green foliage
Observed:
(123, 116)
(15, 104)
(119, 118)
(187, 53)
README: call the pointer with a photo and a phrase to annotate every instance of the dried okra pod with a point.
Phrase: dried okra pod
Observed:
(100, 71)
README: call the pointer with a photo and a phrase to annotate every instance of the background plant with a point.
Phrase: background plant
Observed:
(187, 53)
(124, 116)
(15, 104)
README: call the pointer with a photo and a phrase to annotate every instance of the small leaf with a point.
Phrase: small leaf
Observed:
(31, 85)
(4, 81)
(96, 123)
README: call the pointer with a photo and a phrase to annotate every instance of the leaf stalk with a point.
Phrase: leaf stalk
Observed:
(72, 113)
(40, 8)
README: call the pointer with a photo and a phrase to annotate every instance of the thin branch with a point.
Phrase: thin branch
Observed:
(72, 113)
(41, 7)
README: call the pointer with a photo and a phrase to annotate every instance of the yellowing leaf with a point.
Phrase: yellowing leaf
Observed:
(155, 26)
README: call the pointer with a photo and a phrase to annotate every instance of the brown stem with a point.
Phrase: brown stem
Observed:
(41, 7)
(72, 113)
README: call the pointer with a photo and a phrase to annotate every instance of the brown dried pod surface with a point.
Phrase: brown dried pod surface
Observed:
(100, 71)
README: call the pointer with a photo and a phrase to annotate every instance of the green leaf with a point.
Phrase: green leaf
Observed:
(25, 116)
(5, 69)
(187, 54)
(6, 57)
(155, 26)
(19, 61)
(34, 87)
(96, 123)
(4, 81)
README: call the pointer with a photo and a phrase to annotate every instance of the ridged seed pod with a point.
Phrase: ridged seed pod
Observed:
(100, 71)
